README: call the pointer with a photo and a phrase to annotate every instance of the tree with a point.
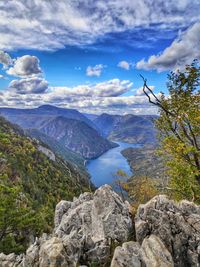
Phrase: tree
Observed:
(140, 190)
(179, 130)
(120, 179)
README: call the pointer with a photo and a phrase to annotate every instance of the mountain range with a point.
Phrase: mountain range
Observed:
(69, 127)
(78, 137)
(128, 128)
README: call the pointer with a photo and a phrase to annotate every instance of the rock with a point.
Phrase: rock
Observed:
(61, 208)
(47, 152)
(167, 233)
(11, 260)
(83, 233)
(154, 253)
(32, 255)
(91, 221)
(52, 254)
(177, 225)
(127, 256)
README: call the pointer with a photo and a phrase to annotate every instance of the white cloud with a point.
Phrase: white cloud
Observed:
(139, 91)
(181, 52)
(111, 88)
(124, 65)
(25, 66)
(50, 25)
(32, 85)
(101, 97)
(95, 71)
(5, 59)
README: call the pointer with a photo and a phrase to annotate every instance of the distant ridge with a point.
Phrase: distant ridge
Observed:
(128, 128)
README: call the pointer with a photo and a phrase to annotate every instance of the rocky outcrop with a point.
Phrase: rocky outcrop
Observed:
(87, 230)
(177, 225)
(84, 231)
(152, 253)
(47, 152)
(127, 255)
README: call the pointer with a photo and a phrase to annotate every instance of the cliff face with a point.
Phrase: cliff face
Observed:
(88, 230)
(77, 136)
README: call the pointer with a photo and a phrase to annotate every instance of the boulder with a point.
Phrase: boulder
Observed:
(176, 224)
(52, 253)
(84, 231)
(127, 255)
(87, 229)
(11, 260)
(154, 253)
(91, 221)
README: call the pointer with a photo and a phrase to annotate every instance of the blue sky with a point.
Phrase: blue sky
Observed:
(88, 54)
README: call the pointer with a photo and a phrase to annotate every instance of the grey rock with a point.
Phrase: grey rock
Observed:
(84, 230)
(61, 208)
(91, 221)
(128, 255)
(167, 233)
(47, 152)
(154, 253)
(177, 225)
(52, 254)
(11, 260)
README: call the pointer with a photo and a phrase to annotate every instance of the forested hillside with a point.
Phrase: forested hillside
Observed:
(31, 185)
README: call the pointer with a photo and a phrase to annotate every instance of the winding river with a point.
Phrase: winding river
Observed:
(103, 168)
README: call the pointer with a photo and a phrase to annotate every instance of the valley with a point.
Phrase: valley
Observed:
(79, 138)
(99, 133)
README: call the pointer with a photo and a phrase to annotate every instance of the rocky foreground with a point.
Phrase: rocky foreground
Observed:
(97, 230)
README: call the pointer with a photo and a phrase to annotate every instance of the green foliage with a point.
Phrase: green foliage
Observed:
(179, 132)
(30, 187)
(140, 190)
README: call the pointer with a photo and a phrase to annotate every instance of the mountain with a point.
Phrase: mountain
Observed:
(77, 136)
(32, 180)
(128, 128)
(145, 161)
(75, 159)
(90, 116)
(37, 117)
(74, 131)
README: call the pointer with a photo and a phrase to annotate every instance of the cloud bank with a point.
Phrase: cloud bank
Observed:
(51, 25)
(101, 97)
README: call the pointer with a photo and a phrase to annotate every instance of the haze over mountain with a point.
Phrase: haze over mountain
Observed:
(68, 127)
(128, 128)
(36, 117)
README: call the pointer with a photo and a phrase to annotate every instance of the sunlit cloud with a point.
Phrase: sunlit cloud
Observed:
(181, 52)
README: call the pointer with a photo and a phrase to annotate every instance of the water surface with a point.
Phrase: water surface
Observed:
(102, 169)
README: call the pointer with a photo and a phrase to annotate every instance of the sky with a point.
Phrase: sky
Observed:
(88, 55)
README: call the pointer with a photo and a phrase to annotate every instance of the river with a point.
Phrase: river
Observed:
(103, 168)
